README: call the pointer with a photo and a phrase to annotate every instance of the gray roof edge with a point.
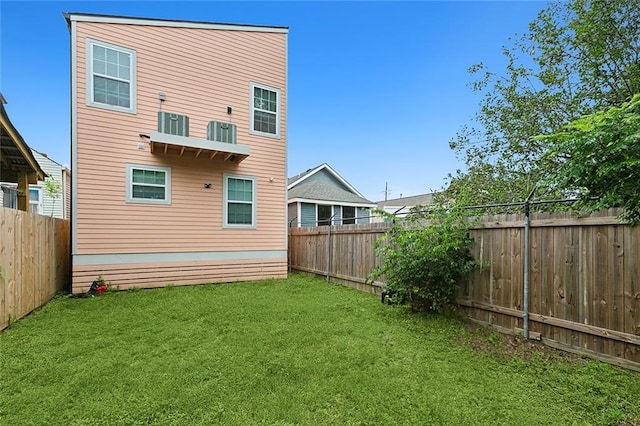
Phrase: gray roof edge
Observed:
(159, 21)
(326, 192)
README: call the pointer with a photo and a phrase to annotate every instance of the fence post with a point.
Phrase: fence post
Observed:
(329, 245)
(525, 308)
(525, 279)
(328, 249)
(289, 240)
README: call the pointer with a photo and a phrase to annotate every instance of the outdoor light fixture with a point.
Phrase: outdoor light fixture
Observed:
(229, 110)
(207, 185)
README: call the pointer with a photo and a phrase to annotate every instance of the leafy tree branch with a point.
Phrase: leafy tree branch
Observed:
(597, 157)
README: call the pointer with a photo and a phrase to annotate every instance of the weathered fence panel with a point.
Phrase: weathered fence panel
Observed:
(584, 284)
(34, 262)
(349, 259)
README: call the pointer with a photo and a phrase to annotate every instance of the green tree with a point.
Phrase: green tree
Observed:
(598, 158)
(578, 57)
(53, 189)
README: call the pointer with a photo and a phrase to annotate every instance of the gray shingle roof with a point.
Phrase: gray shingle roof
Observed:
(325, 192)
(305, 173)
(422, 199)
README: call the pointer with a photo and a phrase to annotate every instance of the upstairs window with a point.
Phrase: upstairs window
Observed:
(265, 110)
(148, 184)
(111, 72)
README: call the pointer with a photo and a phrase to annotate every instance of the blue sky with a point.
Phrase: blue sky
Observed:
(376, 89)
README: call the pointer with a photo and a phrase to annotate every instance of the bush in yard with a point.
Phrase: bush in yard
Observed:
(424, 257)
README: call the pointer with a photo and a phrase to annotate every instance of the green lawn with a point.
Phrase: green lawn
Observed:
(296, 351)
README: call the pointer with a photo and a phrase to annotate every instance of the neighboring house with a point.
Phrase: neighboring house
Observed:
(320, 196)
(40, 200)
(17, 165)
(178, 151)
(401, 206)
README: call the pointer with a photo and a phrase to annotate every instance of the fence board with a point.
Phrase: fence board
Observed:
(616, 290)
(584, 282)
(535, 275)
(632, 289)
(34, 262)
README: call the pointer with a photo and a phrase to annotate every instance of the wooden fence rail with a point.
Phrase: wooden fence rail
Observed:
(34, 262)
(584, 280)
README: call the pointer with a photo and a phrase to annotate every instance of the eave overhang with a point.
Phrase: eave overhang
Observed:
(16, 157)
(163, 143)
(331, 202)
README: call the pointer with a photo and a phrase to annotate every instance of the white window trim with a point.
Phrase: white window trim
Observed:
(89, 78)
(333, 213)
(40, 207)
(252, 109)
(355, 212)
(129, 182)
(10, 195)
(225, 205)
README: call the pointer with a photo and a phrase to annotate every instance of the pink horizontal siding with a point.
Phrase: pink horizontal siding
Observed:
(150, 275)
(201, 72)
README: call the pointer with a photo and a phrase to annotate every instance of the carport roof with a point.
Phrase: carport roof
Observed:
(15, 155)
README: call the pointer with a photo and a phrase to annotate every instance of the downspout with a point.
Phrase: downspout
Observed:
(525, 290)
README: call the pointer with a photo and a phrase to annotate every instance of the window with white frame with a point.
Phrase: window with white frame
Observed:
(111, 72)
(348, 215)
(265, 110)
(325, 213)
(9, 196)
(148, 184)
(35, 200)
(239, 201)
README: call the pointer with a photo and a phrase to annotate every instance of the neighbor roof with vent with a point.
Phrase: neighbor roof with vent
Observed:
(16, 158)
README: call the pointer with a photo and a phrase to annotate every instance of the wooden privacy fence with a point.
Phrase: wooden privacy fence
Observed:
(34, 262)
(584, 280)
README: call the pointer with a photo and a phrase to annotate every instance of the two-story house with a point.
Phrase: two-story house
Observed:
(178, 151)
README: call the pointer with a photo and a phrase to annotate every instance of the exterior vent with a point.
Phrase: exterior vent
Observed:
(173, 124)
(221, 132)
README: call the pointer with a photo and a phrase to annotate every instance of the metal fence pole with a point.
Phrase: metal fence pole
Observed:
(525, 286)
(525, 308)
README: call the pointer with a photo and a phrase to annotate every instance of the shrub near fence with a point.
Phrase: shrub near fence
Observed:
(584, 280)
(34, 262)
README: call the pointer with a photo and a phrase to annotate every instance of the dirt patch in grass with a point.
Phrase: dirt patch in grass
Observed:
(506, 346)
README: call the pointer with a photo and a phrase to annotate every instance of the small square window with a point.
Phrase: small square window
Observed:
(148, 184)
(348, 215)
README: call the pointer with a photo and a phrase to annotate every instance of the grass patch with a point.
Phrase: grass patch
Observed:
(294, 351)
